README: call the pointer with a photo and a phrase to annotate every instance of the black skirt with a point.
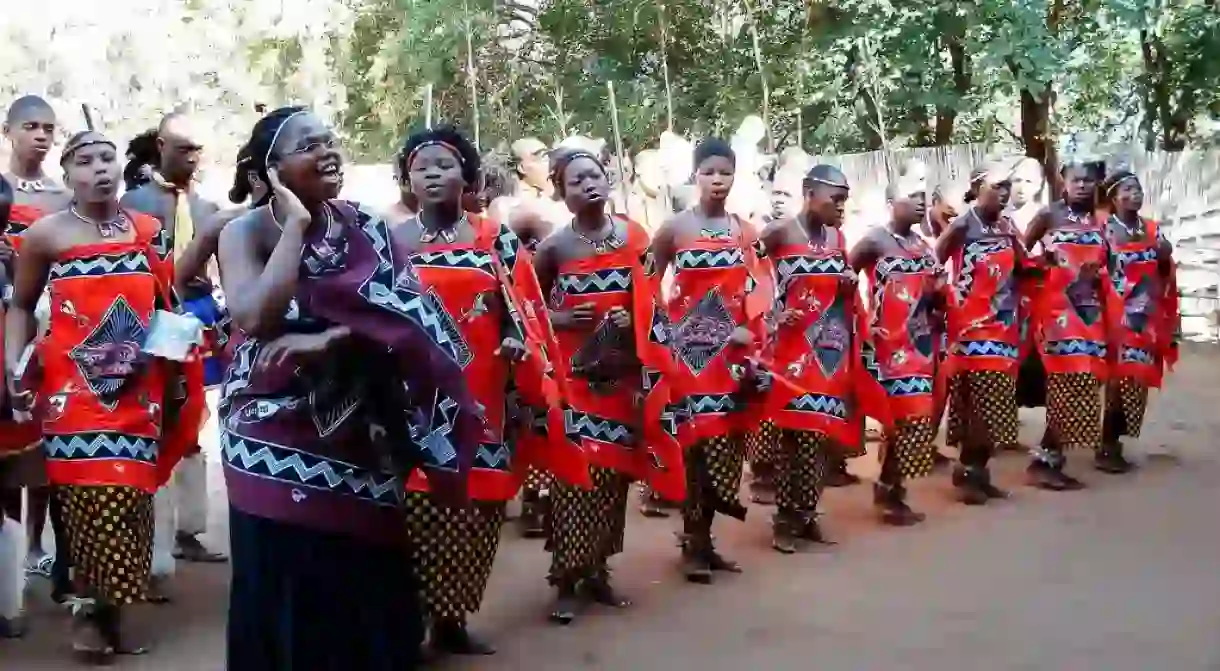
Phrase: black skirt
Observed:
(304, 600)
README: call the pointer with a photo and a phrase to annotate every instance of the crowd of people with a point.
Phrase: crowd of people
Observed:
(390, 378)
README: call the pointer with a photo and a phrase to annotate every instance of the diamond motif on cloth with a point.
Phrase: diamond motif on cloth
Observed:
(829, 337)
(108, 355)
(703, 332)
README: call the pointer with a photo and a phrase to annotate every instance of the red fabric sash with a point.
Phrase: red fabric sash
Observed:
(984, 309)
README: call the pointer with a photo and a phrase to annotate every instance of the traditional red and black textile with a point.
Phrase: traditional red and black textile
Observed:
(110, 414)
(816, 354)
(719, 285)
(471, 288)
(618, 380)
(902, 347)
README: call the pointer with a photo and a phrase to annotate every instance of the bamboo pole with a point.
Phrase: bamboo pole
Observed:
(669, 94)
(762, 74)
(428, 106)
(470, 74)
(618, 146)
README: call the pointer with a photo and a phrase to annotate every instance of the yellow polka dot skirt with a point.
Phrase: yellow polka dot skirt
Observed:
(587, 525)
(804, 460)
(908, 448)
(453, 550)
(713, 478)
(110, 533)
(1126, 402)
(1073, 410)
(762, 446)
(982, 410)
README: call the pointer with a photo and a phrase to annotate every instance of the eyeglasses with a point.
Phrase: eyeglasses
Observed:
(313, 147)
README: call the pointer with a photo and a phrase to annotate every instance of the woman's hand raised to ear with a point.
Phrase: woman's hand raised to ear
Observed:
(294, 211)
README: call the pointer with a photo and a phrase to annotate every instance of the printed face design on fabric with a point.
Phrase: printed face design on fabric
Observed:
(1082, 294)
(703, 332)
(829, 337)
(1004, 302)
(1138, 305)
(111, 352)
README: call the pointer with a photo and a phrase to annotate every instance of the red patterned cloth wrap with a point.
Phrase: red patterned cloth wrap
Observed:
(902, 351)
(110, 414)
(985, 315)
(1074, 316)
(1147, 338)
(718, 286)
(814, 357)
(472, 288)
(20, 217)
(618, 381)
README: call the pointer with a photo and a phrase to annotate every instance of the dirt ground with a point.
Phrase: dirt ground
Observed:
(1119, 577)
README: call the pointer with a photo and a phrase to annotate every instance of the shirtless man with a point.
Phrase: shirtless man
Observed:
(183, 506)
(29, 127)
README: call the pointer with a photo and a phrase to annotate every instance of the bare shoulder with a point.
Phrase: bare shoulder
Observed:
(246, 228)
(42, 233)
(776, 229)
(138, 198)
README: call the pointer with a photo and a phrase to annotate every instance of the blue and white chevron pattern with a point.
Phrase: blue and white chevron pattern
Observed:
(790, 266)
(584, 425)
(914, 385)
(820, 404)
(602, 281)
(902, 264)
(986, 348)
(383, 290)
(1076, 347)
(710, 404)
(98, 445)
(1071, 236)
(112, 264)
(701, 258)
(1137, 355)
(275, 462)
(472, 259)
(494, 456)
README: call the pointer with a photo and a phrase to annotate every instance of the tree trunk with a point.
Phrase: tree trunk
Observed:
(946, 116)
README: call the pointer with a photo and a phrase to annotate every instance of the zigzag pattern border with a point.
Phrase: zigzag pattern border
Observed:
(131, 262)
(347, 479)
(987, 348)
(789, 266)
(585, 425)
(700, 258)
(908, 386)
(88, 445)
(474, 259)
(602, 281)
(821, 404)
(1076, 347)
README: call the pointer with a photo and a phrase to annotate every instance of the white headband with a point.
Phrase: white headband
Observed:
(276, 136)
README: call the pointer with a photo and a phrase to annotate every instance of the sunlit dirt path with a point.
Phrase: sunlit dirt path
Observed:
(1122, 576)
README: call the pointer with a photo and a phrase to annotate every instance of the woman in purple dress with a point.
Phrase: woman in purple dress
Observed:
(342, 381)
